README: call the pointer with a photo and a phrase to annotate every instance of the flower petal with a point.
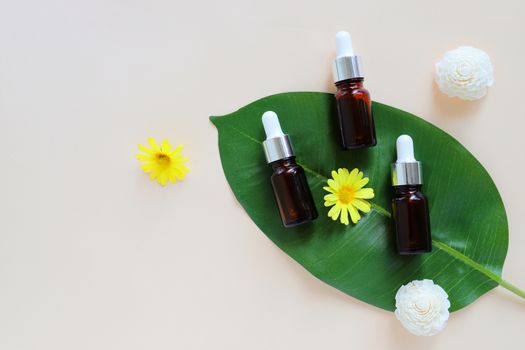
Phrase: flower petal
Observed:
(335, 175)
(177, 150)
(353, 176)
(361, 183)
(333, 184)
(172, 177)
(146, 149)
(163, 178)
(362, 205)
(334, 212)
(144, 157)
(181, 167)
(179, 173)
(330, 197)
(329, 189)
(343, 176)
(365, 193)
(154, 174)
(354, 214)
(166, 147)
(344, 216)
(147, 167)
(153, 144)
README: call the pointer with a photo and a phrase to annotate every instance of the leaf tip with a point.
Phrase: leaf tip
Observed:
(214, 119)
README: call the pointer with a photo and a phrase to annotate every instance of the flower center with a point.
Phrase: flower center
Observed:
(422, 305)
(346, 194)
(465, 69)
(163, 160)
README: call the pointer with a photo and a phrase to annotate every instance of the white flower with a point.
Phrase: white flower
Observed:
(465, 72)
(422, 307)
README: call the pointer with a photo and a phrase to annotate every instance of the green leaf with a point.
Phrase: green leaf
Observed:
(469, 224)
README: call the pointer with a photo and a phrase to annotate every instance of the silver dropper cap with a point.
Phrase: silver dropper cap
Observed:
(406, 170)
(277, 144)
(346, 65)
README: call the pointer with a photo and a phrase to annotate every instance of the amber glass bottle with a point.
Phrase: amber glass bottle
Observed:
(292, 194)
(410, 209)
(354, 110)
(290, 187)
(409, 204)
(354, 107)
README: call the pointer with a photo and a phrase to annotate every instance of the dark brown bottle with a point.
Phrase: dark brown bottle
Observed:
(354, 110)
(292, 194)
(410, 209)
(289, 183)
(409, 204)
(354, 107)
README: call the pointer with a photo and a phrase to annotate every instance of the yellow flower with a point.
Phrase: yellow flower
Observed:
(163, 163)
(347, 195)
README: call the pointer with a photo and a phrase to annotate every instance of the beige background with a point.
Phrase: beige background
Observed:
(95, 256)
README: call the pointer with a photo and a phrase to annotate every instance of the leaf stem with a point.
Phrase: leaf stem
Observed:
(468, 261)
(381, 210)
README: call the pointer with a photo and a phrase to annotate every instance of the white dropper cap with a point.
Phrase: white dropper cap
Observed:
(405, 149)
(271, 124)
(344, 44)
(277, 145)
(346, 65)
(406, 170)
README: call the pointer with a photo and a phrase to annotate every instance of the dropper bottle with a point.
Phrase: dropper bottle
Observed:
(290, 187)
(410, 205)
(354, 107)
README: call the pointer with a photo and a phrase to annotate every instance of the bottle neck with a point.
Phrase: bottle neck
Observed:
(403, 189)
(354, 83)
(283, 162)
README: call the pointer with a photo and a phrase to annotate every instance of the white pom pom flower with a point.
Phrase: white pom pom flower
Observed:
(422, 307)
(465, 72)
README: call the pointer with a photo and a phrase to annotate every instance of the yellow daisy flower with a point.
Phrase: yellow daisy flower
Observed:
(163, 163)
(347, 195)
